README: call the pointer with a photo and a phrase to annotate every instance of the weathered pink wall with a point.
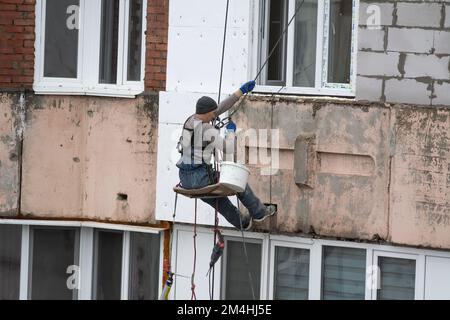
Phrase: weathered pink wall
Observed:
(378, 171)
(420, 201)
(9, 154)
(80, 152)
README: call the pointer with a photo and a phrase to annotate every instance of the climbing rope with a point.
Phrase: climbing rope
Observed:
(216, 230)
(223, 50)
(244, 245)
(216, 165)
(218, 123)
(173, 225)
(193, 296)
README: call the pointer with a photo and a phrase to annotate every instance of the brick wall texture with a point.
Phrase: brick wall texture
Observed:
(156, 54)
(17, 43)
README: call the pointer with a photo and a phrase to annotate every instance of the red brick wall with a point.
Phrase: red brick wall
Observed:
(156, 53)
(16, 43)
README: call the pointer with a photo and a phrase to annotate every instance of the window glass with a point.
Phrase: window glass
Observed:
(10, 249)
(107, 265)
(144, 266)
(277, 21)
(135, 40)
(61, 38)
(54, 253)
(398, 279)
(340, 39)
(109, 41)
(305, 44)
(291, 273)
(237, 282)
(343, 273)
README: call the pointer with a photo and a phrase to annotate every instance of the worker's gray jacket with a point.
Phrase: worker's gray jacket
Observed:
(206, 137)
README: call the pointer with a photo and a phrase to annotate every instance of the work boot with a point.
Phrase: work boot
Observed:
(271, 209)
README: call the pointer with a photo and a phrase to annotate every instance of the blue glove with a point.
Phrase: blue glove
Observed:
(248, 86)
(231, 126)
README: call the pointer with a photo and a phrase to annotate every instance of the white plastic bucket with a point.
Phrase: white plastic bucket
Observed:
(234, 175)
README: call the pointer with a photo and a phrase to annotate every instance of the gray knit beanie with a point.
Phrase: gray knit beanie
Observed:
(205, 104)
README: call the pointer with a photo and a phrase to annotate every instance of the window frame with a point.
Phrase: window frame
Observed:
(88, 68)
(282, 244)
(315, 245)
(223, 276)
(84, 251)
(123, 269)
(419, 288)
(322, 87)
(366, 296)
(76, 258)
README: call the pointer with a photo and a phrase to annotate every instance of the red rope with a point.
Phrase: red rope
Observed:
(193, 296)
(216, 230)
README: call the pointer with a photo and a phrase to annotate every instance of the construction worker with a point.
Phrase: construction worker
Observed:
(197, 144)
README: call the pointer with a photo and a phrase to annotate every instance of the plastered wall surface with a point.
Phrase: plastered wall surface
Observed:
(378, 172)
(85, 158)
(338, 201)
(421, 178)
(10, 137)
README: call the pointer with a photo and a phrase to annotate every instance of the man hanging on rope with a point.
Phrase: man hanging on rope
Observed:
(197, 144)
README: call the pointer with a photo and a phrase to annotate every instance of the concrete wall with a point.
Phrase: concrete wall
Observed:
(80, 157)
(10, 147)
(375, 172)
(420, 186)
(404, 56)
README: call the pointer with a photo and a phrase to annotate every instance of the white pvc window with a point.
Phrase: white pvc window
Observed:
(61, 260)
(143, 266)
(239, 278)
(317, 54)
(343, 273)
(396, 276)
(53, 251)
(337, 269)
(291, 273)
(290, 270)
(108, 256)
(93, 47)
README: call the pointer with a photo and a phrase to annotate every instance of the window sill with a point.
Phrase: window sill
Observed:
(349, 93)
(111, 91)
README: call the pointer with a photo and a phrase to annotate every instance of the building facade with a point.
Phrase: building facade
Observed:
(348, 124)
(349, 128)
(79, 103)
